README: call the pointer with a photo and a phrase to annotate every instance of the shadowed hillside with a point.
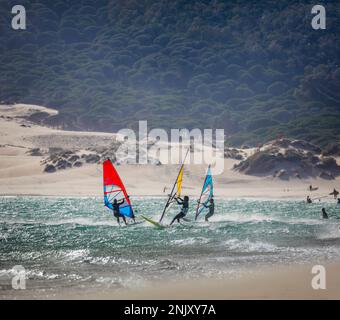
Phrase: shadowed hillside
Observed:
(255, 69)
(285, 159)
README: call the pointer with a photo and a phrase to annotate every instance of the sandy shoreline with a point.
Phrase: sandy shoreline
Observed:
(280, 282)
(23, 176)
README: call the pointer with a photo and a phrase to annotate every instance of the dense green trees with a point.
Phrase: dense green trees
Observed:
(256, 69)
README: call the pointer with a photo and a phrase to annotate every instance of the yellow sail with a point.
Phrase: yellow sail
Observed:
(179, 181)
(177, 185)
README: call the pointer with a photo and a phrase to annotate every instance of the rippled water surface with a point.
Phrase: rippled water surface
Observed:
(75, 242)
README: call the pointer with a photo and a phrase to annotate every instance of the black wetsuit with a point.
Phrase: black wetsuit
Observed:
(184, 210)
(211, 208)
(116, 211)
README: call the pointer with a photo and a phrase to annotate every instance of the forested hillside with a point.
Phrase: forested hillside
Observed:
(255, 68)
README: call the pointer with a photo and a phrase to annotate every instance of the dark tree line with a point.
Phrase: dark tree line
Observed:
(256, 69)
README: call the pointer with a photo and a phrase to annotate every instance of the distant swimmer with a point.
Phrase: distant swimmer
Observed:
(185, 208)
(116, 211)
(335, 193)
(324, 214)
(338, 200)
(309, 200)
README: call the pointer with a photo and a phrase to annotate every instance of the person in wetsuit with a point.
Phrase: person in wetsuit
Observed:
(116, 211)
(324, 214)
(309, 200)
(211, 207)
(185, 208)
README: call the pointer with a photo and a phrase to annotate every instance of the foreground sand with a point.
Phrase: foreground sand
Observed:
(293, 282)
(21, 174)
(278, 283)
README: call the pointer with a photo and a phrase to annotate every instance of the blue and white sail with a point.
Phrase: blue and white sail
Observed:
(206, 194)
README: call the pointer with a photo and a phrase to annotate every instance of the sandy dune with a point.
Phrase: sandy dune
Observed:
(22, 174)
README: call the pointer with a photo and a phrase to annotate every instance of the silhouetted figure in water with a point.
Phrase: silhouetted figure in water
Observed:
(338, 200)
(324, 214)
(309, 200)
(211, 207)
(116, 211)
(185, 208)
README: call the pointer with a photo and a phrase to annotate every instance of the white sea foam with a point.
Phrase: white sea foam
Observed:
(249, 246)
(190, 241)
(329, 231)
(74, 255)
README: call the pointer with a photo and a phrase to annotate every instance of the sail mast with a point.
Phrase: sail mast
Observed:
(171, 196)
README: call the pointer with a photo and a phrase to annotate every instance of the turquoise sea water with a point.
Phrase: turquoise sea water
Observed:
(74, 242)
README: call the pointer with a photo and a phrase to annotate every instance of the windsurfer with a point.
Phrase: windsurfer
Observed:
(309, 200)
(211, 207)
(185, 208)
(116, 211)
